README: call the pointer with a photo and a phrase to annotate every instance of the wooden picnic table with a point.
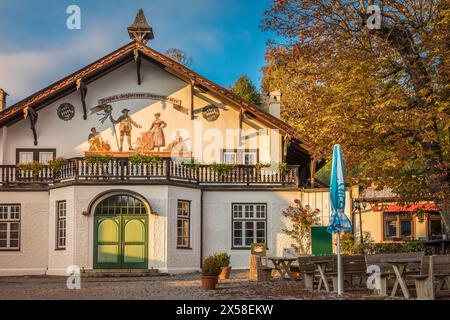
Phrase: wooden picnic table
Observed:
(322, 267)
(283, 266)
(400, 267)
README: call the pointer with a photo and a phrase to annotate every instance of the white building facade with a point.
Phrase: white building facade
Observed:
(136, 162)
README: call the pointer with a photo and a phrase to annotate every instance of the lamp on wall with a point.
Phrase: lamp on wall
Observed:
(360, 205)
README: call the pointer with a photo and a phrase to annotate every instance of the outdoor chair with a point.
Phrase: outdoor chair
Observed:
(434, 276)
(258, 271)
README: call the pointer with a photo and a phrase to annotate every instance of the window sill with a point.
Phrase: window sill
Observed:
(60, 249)
(9, 250)
(183, 248)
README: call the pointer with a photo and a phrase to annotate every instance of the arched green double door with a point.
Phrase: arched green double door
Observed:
(121, 233)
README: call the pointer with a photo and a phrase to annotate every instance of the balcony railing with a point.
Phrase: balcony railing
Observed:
(117, 170)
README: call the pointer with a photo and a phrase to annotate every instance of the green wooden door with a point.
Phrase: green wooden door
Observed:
(322, 242)
(121, 242)
(107, 242)
(134, 245)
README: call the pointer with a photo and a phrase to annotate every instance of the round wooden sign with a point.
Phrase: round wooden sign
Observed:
(211, 113)
(66, 111)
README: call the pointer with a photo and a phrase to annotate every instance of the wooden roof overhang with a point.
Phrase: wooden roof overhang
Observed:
(67, 85)
(126, 54)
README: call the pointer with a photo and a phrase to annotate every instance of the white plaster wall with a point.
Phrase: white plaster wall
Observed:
(183, 260)
(217, 222)
(59, 260)
(72, 135)
(33, 255)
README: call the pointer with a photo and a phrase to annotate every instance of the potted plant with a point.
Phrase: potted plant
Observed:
(283, 167)
(222, 169)
(35, 168)
(192, 164)
(223, 259)
(145, 159)
(99, 163)
(57, 165)
(210, 273)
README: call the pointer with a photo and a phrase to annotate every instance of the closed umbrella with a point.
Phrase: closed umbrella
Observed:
(338, 220)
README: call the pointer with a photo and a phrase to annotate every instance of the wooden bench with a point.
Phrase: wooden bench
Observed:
(352, 265)
(258, 271)
(308, 269)
(434, 275)
(386, 270)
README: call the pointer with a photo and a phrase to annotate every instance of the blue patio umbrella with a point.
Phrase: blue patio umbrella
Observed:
(338, 220)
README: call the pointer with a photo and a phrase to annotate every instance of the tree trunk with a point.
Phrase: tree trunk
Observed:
(401, 40)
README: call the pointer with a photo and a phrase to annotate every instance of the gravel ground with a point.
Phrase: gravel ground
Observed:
(180, 287)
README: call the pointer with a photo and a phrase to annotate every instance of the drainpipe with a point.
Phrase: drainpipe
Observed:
(201, 228)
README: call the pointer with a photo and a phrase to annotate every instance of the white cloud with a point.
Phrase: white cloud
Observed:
(26, 71)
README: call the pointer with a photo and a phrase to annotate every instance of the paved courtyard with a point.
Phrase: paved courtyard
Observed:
(180, 287)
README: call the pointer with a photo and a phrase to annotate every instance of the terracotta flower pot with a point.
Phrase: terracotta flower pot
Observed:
(225, 274)
(209, 282)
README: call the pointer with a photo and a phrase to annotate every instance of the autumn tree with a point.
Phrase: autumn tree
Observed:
(381, 91)
(247, 90)
(179, 56)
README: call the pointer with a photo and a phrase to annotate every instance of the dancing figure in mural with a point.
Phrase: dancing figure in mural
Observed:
(153, 138)
(158, 134)
(125, 127)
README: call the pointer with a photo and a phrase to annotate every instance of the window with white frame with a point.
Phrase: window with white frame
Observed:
(9, 227)
(183, 224)
(61, 209)
(25, 157)
(245, 157)
(250, 158)
(249, 224)
(229, 157)
(45, 157)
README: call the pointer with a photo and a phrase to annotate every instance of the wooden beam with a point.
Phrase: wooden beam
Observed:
(313, 171)
(241, 121)
(81, 86)
(33, 116)
(192, 98)
(138, 60)
(287, 142)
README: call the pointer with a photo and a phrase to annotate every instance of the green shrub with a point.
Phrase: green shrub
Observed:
(283, 167)
(222, 259)
(350, 246)
(222, 169)
(57, 164)
(143, 159)
(211, 266)
(260, 166)
(192, 163)
(98, 159)
(34, 167)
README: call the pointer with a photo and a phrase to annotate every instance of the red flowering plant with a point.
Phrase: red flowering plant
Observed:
(302, 219)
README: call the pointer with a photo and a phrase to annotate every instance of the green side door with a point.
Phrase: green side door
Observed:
(322, 242)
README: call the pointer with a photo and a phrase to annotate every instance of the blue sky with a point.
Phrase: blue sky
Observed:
(36, 48)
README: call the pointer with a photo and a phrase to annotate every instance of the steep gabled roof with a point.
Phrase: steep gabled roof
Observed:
(125, 54)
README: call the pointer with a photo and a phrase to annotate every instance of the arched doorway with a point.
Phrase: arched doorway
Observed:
(121, 232)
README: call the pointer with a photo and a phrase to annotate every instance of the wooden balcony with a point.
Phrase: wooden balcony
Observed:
(122, 171)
